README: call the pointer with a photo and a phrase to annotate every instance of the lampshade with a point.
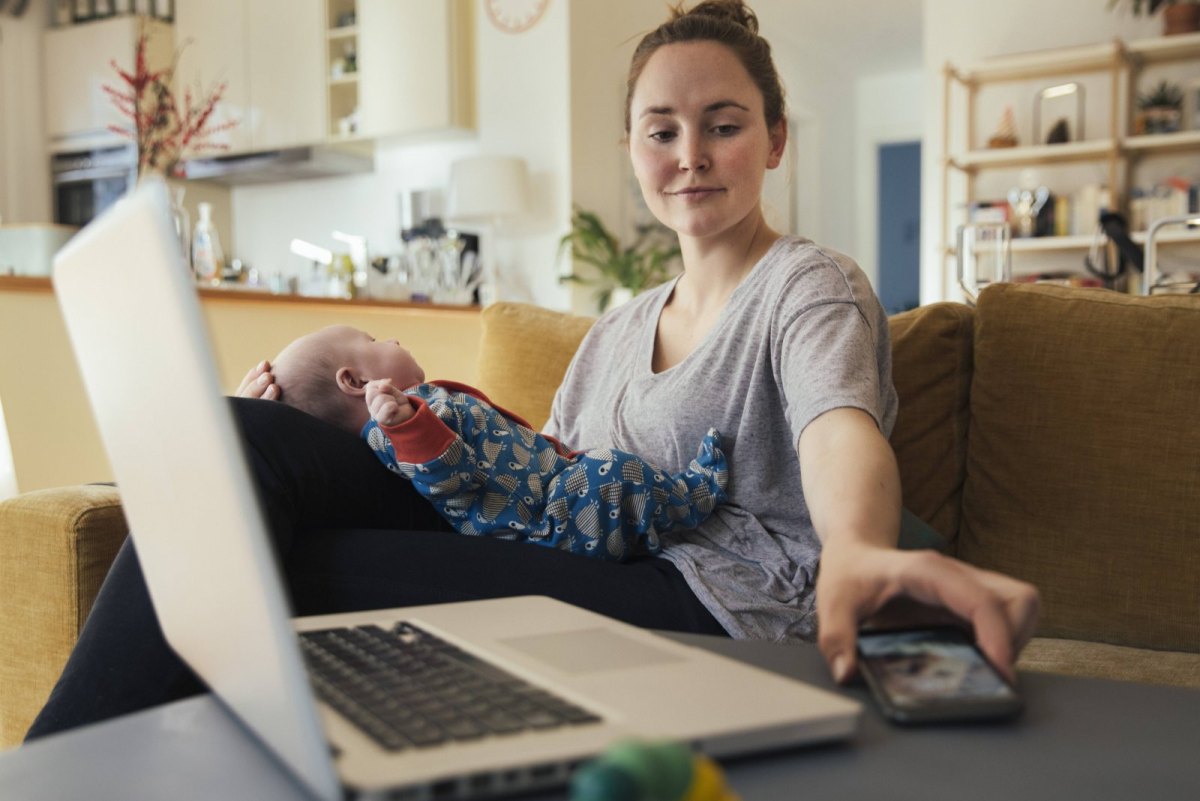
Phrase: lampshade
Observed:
(487, 188)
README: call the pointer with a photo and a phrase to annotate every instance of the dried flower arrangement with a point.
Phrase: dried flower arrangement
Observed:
(164, 132)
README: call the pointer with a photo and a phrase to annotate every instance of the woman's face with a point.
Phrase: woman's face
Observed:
(698, 140)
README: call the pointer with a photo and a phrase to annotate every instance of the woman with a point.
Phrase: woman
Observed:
(772, 339)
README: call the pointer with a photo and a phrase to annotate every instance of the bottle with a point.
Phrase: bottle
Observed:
(207, 258)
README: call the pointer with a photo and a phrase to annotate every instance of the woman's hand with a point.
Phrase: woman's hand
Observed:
(388, 406)
(259, 383)
(857, 580)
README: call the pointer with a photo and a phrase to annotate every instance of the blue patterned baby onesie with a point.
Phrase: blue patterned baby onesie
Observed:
(489, 473)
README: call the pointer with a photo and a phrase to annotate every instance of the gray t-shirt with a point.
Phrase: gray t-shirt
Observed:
(801, 335)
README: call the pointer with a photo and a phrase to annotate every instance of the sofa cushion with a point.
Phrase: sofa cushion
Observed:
(931, 368)
(56, 546)
(1099, 660)
(1083, 459)
(523, 355)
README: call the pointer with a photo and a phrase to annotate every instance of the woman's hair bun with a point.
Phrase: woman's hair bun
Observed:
(734, 11)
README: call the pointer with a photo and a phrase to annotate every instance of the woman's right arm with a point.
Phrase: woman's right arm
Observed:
(259, 383)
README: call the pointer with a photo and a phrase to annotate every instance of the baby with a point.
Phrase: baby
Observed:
(486, 470)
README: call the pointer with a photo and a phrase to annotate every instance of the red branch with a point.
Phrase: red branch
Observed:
(164, 133)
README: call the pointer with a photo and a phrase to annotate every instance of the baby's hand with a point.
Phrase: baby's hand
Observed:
(388, 406)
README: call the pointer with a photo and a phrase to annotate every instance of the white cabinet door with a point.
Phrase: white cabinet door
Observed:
(269, 53)
(285, 60)
(211, 35)
(411, 73)
(78, 65)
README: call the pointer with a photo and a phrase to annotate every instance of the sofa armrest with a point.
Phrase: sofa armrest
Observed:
(56, 546)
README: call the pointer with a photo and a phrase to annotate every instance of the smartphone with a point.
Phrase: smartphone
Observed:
(933, 675)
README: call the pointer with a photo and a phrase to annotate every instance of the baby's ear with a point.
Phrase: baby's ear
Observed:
(350, 382)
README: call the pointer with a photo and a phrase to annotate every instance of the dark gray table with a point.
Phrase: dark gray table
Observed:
(1078, 739)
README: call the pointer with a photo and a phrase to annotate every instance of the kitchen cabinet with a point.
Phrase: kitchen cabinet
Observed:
(77, 65)
(1112, 152)
(414, 67)
(268, 53)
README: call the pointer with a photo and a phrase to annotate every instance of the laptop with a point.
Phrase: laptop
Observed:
(560, 683)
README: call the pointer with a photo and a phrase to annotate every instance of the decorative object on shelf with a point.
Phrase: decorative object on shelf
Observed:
(1161, 109)
(644, 264)
(1026, 202)
(18, 7)
(1006, 131)
(1048, 101)
(984, 256)
(347, 64)
(164, 131)
(515, 16)
(1179, 16)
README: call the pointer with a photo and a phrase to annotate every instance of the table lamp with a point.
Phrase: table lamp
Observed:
(486, 190)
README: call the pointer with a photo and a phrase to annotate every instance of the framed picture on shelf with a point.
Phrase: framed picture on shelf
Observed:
(1058, 114)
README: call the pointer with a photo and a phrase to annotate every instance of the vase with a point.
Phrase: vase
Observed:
(179, 213)
(183, 222)
(1181, 18)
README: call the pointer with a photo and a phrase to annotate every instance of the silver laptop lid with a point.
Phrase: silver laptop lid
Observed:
(135, 323)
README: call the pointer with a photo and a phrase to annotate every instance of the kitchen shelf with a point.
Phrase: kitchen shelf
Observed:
(347, 32)
(1044, 244)
(344, 80)
(1089, 58)
(1119, 154)
(1163, 143)
(1164, 48)
(1091, 150)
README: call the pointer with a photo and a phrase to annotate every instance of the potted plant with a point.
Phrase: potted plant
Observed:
(621, 270)
(1161, 109)
(1179, 16)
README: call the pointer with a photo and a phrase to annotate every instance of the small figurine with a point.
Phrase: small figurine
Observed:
(640, 770)
(1026, 202)
(1006, 132)
(1060, 133)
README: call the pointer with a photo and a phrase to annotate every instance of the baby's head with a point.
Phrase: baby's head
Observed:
(325, 373)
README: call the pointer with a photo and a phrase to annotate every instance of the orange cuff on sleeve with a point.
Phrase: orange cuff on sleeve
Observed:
(422, 437)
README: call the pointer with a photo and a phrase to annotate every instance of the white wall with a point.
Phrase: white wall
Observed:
(965, 32)
(888, 109)
(24, 163)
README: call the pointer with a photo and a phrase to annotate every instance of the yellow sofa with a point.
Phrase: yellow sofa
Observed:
(1049, 433)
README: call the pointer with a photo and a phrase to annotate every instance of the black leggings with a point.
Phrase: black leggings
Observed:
(350, 536)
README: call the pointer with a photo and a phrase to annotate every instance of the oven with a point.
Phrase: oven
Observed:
(88, 182)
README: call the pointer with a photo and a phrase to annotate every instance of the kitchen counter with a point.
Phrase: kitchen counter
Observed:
(18, 283)
(52, 436)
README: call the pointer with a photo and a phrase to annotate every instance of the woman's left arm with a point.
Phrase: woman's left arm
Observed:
(852, 489)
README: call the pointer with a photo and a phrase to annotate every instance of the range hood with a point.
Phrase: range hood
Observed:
(276, 166)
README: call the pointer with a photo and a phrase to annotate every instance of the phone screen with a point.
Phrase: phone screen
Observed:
(933, 674)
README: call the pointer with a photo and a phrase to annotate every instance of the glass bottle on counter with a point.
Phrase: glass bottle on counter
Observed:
(208, 260)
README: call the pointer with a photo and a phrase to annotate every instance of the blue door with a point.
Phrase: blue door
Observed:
(899, 257)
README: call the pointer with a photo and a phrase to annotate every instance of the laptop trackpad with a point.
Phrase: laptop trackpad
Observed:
(590, 650)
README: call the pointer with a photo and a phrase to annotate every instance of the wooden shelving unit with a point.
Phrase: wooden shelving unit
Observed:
(1116, 150)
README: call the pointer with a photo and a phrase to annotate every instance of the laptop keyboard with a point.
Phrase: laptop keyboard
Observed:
(408, 688)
